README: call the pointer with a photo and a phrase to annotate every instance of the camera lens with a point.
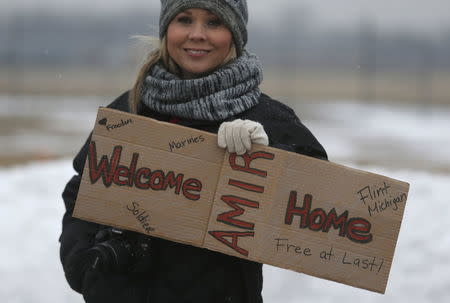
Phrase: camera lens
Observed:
(113, 255)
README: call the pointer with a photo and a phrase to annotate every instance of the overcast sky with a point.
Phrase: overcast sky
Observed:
(423, 15)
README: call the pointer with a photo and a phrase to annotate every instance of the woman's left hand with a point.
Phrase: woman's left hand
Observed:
(238, 135)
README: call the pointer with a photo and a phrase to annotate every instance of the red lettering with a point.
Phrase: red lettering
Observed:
(315, 224)
(336, 222)
(358, 230)
(246, 186)
(133, 165)
(303, 212)
(142, 172)
(121, 171)
(248, 159)
(143, 178)
(192, 185)
(229, 217)
(103, 169)
(157, 175)
(172, 182)
(234, 235)
(235, 202)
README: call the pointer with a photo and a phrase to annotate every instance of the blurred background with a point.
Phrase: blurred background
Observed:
(371, 79)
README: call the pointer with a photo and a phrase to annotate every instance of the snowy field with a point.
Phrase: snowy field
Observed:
(44, 127)
(407, 143)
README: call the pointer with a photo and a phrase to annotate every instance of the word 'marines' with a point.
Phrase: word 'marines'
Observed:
(355, 229)
(143, 178)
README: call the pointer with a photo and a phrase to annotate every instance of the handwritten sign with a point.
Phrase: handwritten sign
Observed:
(268, 206)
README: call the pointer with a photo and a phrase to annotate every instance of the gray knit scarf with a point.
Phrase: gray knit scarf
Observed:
(230, 90)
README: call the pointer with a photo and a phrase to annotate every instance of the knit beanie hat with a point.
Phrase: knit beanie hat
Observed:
(233, 13)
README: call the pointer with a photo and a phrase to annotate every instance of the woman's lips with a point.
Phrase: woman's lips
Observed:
(196, 52)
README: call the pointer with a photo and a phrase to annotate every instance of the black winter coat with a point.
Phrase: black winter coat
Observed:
(180, 273)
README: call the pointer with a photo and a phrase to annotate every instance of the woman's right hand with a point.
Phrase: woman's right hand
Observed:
(238, 135)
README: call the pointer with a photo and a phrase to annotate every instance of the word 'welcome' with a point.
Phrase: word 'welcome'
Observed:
(143, 178)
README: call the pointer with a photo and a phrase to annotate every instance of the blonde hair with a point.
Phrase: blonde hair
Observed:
(161, 54)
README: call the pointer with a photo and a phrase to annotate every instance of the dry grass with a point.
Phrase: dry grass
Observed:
(393, 86)
(64, 81)
(300, 85)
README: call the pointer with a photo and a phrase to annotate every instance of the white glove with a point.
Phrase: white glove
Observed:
(238, 135)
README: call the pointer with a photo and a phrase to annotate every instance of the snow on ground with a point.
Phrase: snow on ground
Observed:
(31, 210)
(400, 142)
(390, 135)
(30, 223)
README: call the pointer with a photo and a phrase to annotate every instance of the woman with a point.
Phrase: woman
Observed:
(200, 77)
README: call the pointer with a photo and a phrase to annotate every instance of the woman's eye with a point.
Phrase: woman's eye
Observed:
(215, 22)
(184, 20)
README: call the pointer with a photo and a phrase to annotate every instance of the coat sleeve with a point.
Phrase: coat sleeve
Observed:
(298, 139)
(77, 235)
(287, 132)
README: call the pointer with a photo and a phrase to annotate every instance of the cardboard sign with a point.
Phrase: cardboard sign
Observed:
(269, 205)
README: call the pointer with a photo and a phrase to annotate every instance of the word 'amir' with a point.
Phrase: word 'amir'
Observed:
(231, 237)
(142, 178)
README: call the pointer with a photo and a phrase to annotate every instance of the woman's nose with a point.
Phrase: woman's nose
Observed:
(198, 32)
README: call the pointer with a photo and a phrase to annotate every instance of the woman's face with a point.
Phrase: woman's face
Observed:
(198, 41)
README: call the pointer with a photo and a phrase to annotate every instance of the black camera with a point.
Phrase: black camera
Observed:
(121, 251)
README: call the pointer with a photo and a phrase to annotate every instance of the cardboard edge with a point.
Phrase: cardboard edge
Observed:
(261, 147)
